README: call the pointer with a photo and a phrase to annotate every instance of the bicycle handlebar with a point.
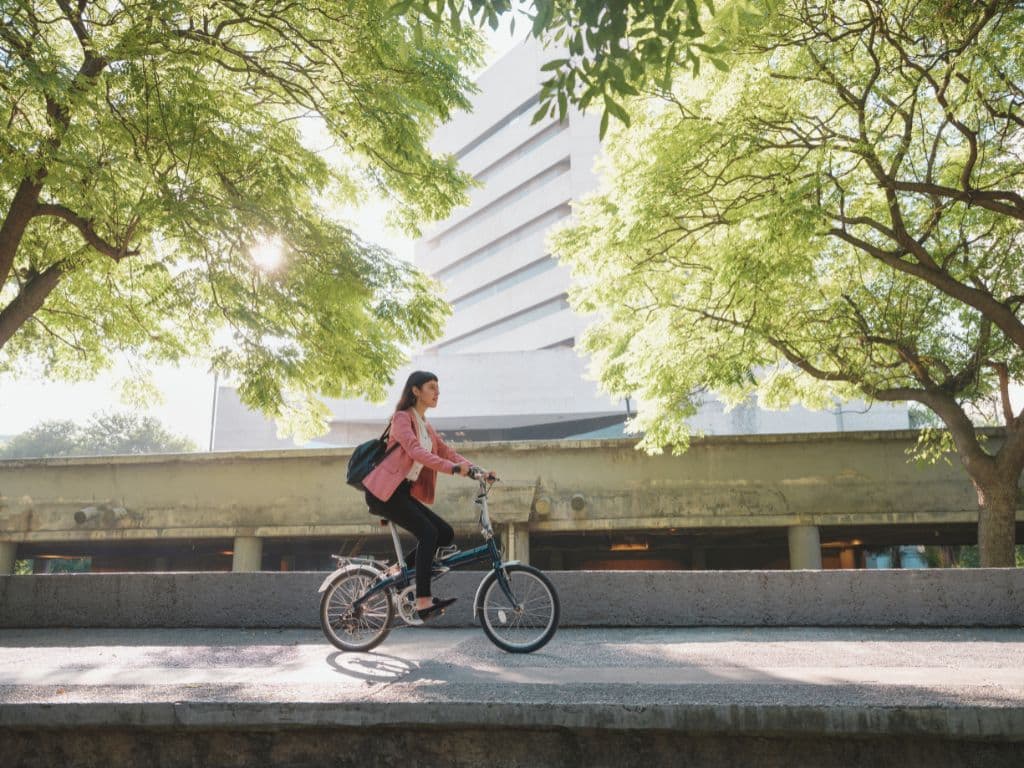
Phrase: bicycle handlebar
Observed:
(476, 473)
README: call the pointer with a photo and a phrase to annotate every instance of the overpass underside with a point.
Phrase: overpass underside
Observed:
(843, 500)
(646, 549)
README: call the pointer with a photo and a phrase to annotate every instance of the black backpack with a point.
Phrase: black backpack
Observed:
(366, 456)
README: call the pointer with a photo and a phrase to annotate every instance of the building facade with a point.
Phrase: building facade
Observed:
(506, 290)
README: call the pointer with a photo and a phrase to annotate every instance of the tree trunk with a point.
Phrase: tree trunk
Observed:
(997, 522)
(28, 301)
(12, 229)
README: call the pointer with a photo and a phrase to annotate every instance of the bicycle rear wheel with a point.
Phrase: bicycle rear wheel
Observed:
(529, 623)
(355, 629)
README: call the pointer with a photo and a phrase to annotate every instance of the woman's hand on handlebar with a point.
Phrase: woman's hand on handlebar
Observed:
(464, 469)
(479, 472)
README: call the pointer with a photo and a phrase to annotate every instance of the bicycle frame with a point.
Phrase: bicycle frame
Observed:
(486, 551)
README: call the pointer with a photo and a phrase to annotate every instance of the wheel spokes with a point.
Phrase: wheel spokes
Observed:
(529, 618)
(369, 618)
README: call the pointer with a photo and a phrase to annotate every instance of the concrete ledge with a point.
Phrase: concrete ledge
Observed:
(499, 747)
(924, 598)
(961, 723)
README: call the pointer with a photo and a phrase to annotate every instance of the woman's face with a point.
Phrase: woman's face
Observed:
(427, 394)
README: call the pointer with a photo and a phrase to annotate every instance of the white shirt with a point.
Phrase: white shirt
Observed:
(425, 441)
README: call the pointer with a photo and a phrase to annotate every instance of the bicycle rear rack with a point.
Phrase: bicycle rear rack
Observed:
(354, 560)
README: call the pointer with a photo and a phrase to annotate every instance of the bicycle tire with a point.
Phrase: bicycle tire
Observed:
(339, 628)
(536, 615)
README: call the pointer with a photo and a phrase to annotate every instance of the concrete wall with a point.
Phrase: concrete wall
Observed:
(744, 481)
(937, 598)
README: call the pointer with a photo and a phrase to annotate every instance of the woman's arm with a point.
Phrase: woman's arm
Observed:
(446, 451)
(404, 432)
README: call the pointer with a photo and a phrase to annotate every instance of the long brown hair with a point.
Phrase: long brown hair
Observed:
(416, 379)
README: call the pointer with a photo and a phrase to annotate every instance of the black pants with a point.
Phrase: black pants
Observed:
(430, 530)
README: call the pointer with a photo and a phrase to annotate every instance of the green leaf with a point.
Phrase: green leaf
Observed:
(553, 65)
(544, 11)
(616, 109)
(400, 8)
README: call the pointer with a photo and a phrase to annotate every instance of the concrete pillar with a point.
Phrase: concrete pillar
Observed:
(804, 547)
(8, 554)
(248, 554)
(516, 542)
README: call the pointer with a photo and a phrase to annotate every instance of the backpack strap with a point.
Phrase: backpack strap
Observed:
(384, 439)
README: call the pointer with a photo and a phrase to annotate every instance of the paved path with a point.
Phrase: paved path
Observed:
(791, 667)
(446, 698)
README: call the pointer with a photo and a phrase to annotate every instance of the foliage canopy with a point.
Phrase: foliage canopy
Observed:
(148, 146)
(837, 214)
(610, 50)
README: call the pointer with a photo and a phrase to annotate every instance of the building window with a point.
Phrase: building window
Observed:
(530, 104)
(534, 143)
(528, 187)
(506, 324)
(504, 283)
(480, 255)
(570, 342)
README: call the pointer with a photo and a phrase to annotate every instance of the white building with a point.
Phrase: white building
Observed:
(507, 292)
(488, 396)
(506, 363)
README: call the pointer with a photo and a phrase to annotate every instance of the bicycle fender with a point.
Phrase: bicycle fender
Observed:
(344, 569)
(479, 589)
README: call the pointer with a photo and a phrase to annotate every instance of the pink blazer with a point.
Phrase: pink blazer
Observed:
(390, 473)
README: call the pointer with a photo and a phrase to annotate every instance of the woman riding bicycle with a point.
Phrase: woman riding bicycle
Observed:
(401, 486)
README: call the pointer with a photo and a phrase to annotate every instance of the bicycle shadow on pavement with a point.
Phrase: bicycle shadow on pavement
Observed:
(373, 667)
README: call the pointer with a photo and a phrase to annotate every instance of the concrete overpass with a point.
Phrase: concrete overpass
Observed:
(806, 487)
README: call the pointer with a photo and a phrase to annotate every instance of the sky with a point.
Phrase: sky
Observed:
(187, 392)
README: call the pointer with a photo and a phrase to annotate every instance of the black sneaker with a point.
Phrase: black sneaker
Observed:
(436, 609)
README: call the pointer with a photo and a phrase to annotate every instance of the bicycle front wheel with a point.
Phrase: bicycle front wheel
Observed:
(355, 629)
(527, 622)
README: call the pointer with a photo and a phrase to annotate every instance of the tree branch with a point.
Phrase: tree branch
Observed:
(1003, 372)
(988, 199)
(1000, 314)
(978, 463)
(116, 252)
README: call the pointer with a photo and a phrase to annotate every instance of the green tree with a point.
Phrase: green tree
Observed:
(105, 434)
(611, 49)
(51, 438)
(148, 146)
(838, 214)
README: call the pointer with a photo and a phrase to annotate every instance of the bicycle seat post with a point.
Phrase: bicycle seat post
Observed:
(399, 558)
